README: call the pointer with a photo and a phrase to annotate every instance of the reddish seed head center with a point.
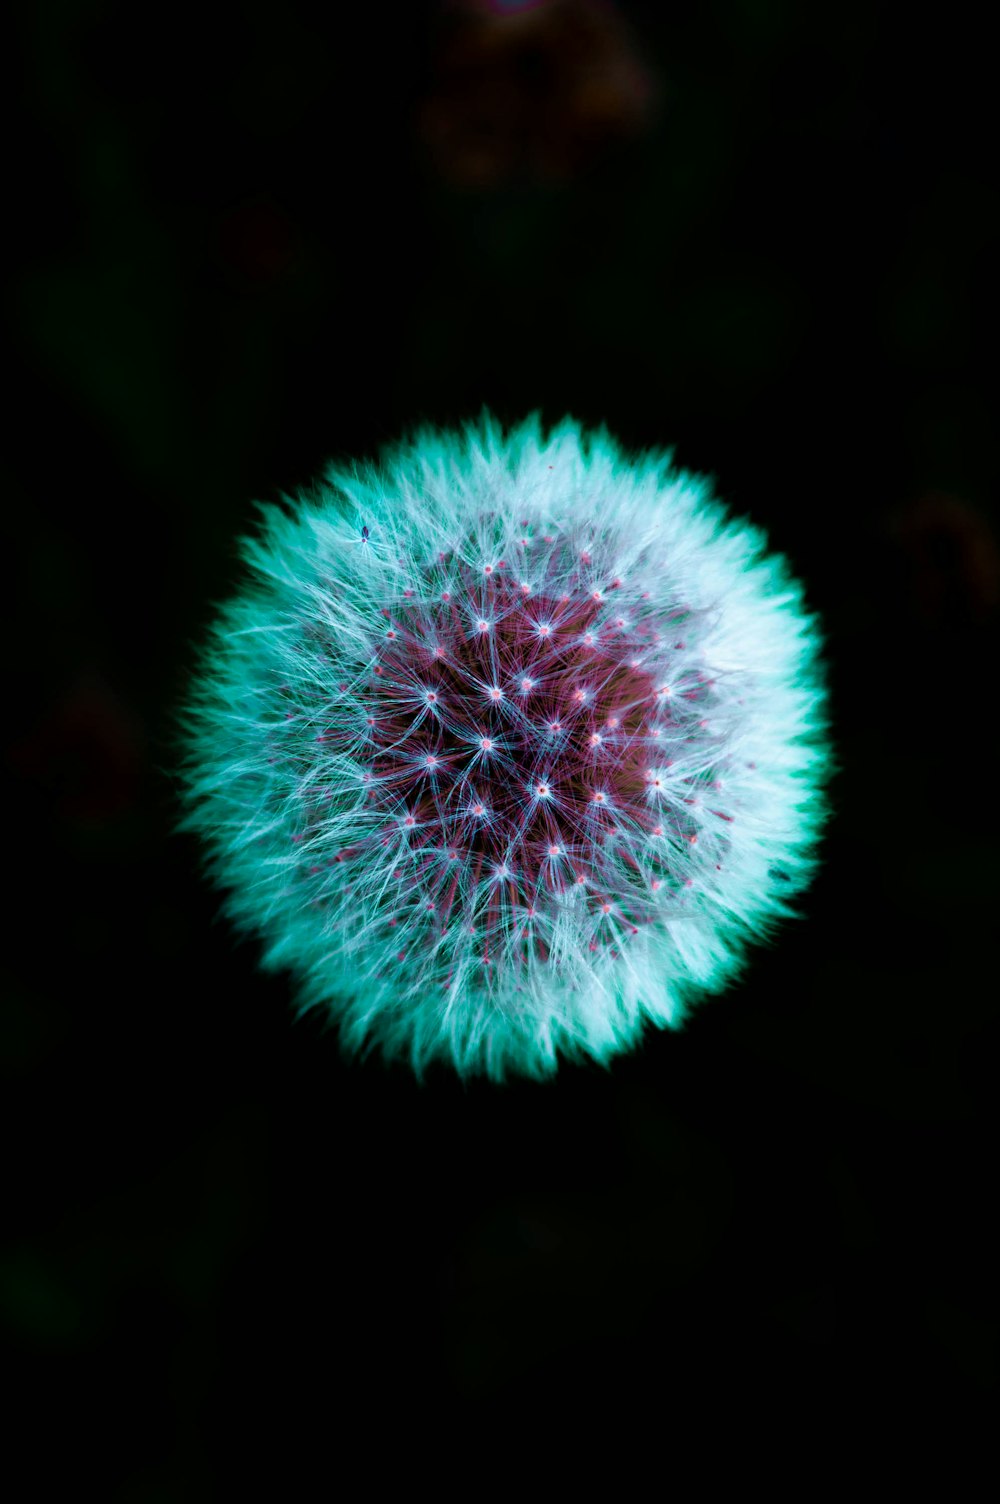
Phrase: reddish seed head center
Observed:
(555, 690)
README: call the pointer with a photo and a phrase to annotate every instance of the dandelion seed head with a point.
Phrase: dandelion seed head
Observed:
(430, 787)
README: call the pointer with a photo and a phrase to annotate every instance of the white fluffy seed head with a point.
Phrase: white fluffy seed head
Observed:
(509, 745)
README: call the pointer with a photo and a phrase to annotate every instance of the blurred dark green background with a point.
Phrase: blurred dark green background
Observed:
(241, 243)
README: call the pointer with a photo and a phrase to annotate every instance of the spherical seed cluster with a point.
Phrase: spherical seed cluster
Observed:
(509, 745)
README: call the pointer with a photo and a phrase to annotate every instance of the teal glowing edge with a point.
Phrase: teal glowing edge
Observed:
(508, 745)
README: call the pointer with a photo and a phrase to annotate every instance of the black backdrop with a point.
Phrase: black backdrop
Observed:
(241, 244)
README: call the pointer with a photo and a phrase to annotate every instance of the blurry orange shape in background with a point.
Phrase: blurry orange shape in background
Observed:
(533, 91)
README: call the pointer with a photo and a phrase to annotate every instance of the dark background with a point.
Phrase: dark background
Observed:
(238, 245)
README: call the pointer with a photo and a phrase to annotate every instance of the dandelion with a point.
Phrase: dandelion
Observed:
(508, 746)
